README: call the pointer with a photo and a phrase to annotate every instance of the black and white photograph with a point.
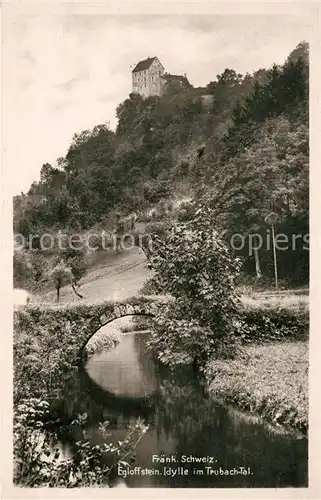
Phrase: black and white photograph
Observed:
(159, 172)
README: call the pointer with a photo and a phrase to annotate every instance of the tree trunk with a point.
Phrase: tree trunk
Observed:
(78, 294)
(140, 243)
(58, 293)
(118, 245)
(257, 263)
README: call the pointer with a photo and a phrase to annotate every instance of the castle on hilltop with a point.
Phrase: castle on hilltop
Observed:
(149, 78)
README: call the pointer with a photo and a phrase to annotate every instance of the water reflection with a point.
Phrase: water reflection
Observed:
(124, 371)
(125, 383)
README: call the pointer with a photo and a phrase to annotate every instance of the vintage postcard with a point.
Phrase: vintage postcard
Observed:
(160, 189)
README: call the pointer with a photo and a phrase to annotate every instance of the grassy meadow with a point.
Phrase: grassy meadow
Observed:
(271, 380)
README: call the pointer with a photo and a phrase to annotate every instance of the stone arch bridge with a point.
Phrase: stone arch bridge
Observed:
(65, 330)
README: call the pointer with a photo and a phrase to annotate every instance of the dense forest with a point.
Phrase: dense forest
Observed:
(240, 146)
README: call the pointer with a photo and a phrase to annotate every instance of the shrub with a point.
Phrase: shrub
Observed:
(194, 266)
(37, 457)
(267, 324)
(149, 287)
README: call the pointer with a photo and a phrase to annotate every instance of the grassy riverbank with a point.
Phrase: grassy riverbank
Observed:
(269, 379)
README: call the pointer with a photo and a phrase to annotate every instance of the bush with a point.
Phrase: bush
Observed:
(263, 324)
(194, 266)
(29, 269)
(185, 211)
(149, 287)
(37, 458)
(22, 269)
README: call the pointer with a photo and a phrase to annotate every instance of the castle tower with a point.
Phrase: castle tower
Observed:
(147, 77)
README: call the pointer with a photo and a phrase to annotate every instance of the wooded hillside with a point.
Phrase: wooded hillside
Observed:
(245, 155)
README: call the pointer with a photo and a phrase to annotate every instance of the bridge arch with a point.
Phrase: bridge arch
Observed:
(120, 310)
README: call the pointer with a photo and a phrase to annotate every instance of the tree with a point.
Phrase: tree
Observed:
(22, 269)
(195, 267)
(60, 275)
(75, 259)
(271, 174)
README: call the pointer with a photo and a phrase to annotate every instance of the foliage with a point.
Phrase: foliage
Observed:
(101, 341)
(40, 369)
(183, 341)
(272, 317)
(271, 175)
(75, 260)
(272, 324)
(22, 269)
(30, 269)
(195, 267)
(185, 211)
(38, 461)
(285, 92)
(149, 287)
(60, 275)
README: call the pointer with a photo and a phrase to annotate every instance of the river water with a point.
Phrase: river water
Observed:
(199, 438)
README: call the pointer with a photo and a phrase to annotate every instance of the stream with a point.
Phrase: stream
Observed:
(192, 441)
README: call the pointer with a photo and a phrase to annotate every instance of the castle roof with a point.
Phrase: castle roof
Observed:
(145, 64)
(176, 79)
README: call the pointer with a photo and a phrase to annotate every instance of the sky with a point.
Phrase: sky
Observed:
(68, 73)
